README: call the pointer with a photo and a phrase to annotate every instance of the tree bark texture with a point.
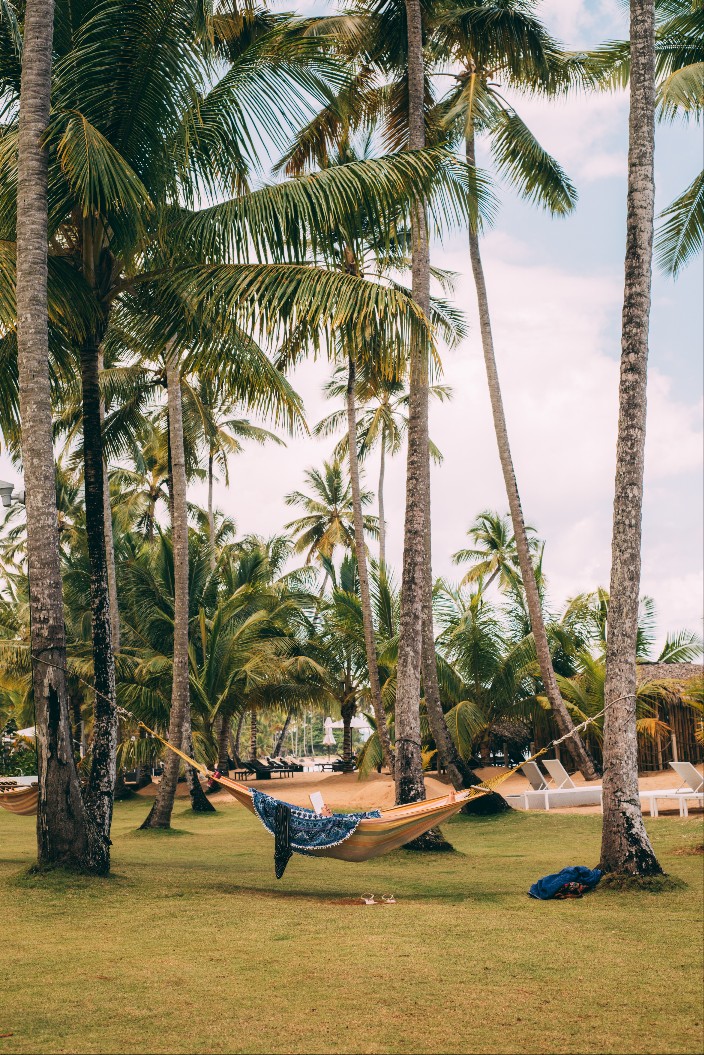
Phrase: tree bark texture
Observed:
(237, 739)
(575, 745)
(200, 803)
(65, 834)
(101, 782)
(253, 734)
(282, 735)
(211, 514)
(625, 846)
(110, 541)
(223, 733)
(408, 769)
(382, 518)
(348, 711)
(363, 575)
(160, 816)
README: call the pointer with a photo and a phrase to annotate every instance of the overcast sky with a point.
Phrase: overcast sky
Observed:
(555, 289)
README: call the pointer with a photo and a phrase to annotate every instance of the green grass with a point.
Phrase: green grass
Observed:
(194, 946)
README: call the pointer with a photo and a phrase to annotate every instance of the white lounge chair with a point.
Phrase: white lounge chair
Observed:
(651, 797)
(536, 778)
(544, 797)
(560, 776)
(691, 776)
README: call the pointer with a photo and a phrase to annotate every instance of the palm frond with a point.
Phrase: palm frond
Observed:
(681, 235)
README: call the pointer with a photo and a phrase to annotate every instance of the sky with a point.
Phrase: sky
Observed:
(555, 289)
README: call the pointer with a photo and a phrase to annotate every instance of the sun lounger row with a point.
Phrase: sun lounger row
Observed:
(564, 792)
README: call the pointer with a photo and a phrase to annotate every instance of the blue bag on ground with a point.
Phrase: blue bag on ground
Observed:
(570, 882)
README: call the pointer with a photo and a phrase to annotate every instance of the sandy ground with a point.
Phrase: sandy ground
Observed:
(346, 791)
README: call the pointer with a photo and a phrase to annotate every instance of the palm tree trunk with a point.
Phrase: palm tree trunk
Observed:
(574, 744)
(110, 556)
(109, 538)
(348, 711)
(211, 514)
(361, 555)
(200, 803)
(160, 817)
(282, 735)
(121, 790)
(65, 835)
(253, 734)
(382, 518)
(237, 738)
(408, 769)
(223, 745)
(625, 845)
(101, 780)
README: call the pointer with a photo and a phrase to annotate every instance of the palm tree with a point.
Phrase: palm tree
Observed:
(489, 39)
(625, 845)
(382, 421)
(329, 517)
(160, 816)
(65, 835)
(679, 54)
(494, 554)
(209, 411)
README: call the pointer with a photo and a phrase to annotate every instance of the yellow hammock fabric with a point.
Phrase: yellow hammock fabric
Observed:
(375, 836)
(23, 801)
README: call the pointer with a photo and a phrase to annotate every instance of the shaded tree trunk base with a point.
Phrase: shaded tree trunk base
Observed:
(432, 841)
(147, 822)
(122, 792)
(199, 800)
(651, 884)
(487, 805)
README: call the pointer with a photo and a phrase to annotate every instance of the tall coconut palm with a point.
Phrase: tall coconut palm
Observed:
(494, 554)
(382, 422)
(625, 845)
(65, 835)
(329, 517)
(491, 39)
(160, 816)
(386, 42)
(679, 73)
(209, 410)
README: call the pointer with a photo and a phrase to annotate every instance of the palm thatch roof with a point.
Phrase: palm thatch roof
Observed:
(677, 673)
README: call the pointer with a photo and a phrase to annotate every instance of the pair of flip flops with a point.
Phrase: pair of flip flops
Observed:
(386, 899)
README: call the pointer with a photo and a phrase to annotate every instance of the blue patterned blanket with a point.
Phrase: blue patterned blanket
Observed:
(306, 830)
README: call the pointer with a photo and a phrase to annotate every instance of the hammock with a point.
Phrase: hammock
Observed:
(23, 801)
(373, 836)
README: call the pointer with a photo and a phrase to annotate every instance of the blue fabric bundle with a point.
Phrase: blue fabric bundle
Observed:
(306, 830)
(550, 886)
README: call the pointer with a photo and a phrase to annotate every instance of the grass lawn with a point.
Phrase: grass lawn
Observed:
(194, 946)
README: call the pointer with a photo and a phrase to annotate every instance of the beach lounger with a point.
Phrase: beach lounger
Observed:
(689, 775)
(543, 797)
(563, 780)
(651, 798)
(531, 770)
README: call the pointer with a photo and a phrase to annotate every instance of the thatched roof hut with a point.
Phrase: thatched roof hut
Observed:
(678, 673)
(682, 743)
